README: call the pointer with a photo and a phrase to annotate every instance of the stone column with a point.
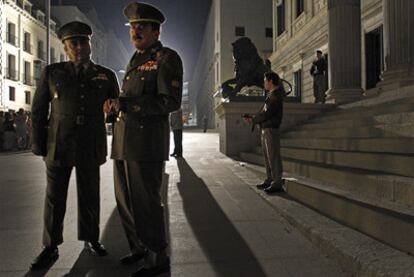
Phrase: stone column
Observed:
(344, 44)
(398, 42)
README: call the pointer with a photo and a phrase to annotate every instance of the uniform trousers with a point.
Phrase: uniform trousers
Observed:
(87, 181)
(137, 193)
(270, 138)
(319, 88)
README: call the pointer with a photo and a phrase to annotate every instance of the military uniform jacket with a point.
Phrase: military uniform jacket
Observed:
(73, 132)
(151, 89)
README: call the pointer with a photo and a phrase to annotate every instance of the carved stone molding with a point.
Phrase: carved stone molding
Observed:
(299, 22)
(282, 40)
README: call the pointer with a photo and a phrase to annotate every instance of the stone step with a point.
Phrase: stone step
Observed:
(355, 199)
(386, 119)
(380, 145)
(383, 187)
(386, 96)
(253, 158)
(356, 252)
(362, 112)
(391, 188)
(388, 163)
(375, 131)
(391, 226)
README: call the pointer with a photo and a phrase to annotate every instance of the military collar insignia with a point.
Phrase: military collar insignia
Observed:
(148, 66)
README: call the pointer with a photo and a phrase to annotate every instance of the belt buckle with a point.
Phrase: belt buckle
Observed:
(80, 120)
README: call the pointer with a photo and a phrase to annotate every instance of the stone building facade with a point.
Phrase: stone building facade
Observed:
(359, 39)
(24, 52)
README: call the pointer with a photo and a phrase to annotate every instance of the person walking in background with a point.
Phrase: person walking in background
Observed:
(151, 90)
(68, 130)
(205, 124)
(21, 129)
(9, 133)
(318, 73)
(269, 119)
(176, 123)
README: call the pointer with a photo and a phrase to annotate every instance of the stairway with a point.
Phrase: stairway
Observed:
(355, 164)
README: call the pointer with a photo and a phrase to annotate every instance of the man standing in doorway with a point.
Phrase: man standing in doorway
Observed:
(152, 88)
(71, 135)
(318, 73)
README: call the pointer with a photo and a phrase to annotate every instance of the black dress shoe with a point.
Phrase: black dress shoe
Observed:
(152, 271)
(95, 248)
(46, 258)
(131, 258)
(172, 155)
(274, 187)
(263, 185)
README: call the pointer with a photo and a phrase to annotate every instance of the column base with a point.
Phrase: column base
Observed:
(343, 96)
(393, 79)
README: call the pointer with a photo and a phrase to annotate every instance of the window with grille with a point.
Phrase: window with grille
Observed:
(12, 93)
(11, 34)
(239, 31)
(28, 98)
(297, 83)
(299, 7)
(26, 42)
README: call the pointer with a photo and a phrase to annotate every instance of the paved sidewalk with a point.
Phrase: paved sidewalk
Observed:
(217, 224)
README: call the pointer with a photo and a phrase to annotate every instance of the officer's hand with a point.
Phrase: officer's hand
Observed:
(115, 106)
(107, 106)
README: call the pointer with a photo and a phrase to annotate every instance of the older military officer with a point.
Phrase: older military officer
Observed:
(71, 135)
(151, 90)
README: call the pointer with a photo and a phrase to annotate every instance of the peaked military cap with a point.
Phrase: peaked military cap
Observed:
(143, 12)
(74, 29)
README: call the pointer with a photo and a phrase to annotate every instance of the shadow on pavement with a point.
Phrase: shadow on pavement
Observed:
(225, 249)
(114, 240)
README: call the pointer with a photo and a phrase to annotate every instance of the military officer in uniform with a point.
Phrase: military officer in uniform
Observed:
(151, 89)
(71, 135)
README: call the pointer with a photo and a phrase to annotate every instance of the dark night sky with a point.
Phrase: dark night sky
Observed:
(182, 31)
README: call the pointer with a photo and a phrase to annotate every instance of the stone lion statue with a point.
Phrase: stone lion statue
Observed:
(249, 68)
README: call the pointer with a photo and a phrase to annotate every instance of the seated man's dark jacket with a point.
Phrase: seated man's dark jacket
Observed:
(272, 112)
